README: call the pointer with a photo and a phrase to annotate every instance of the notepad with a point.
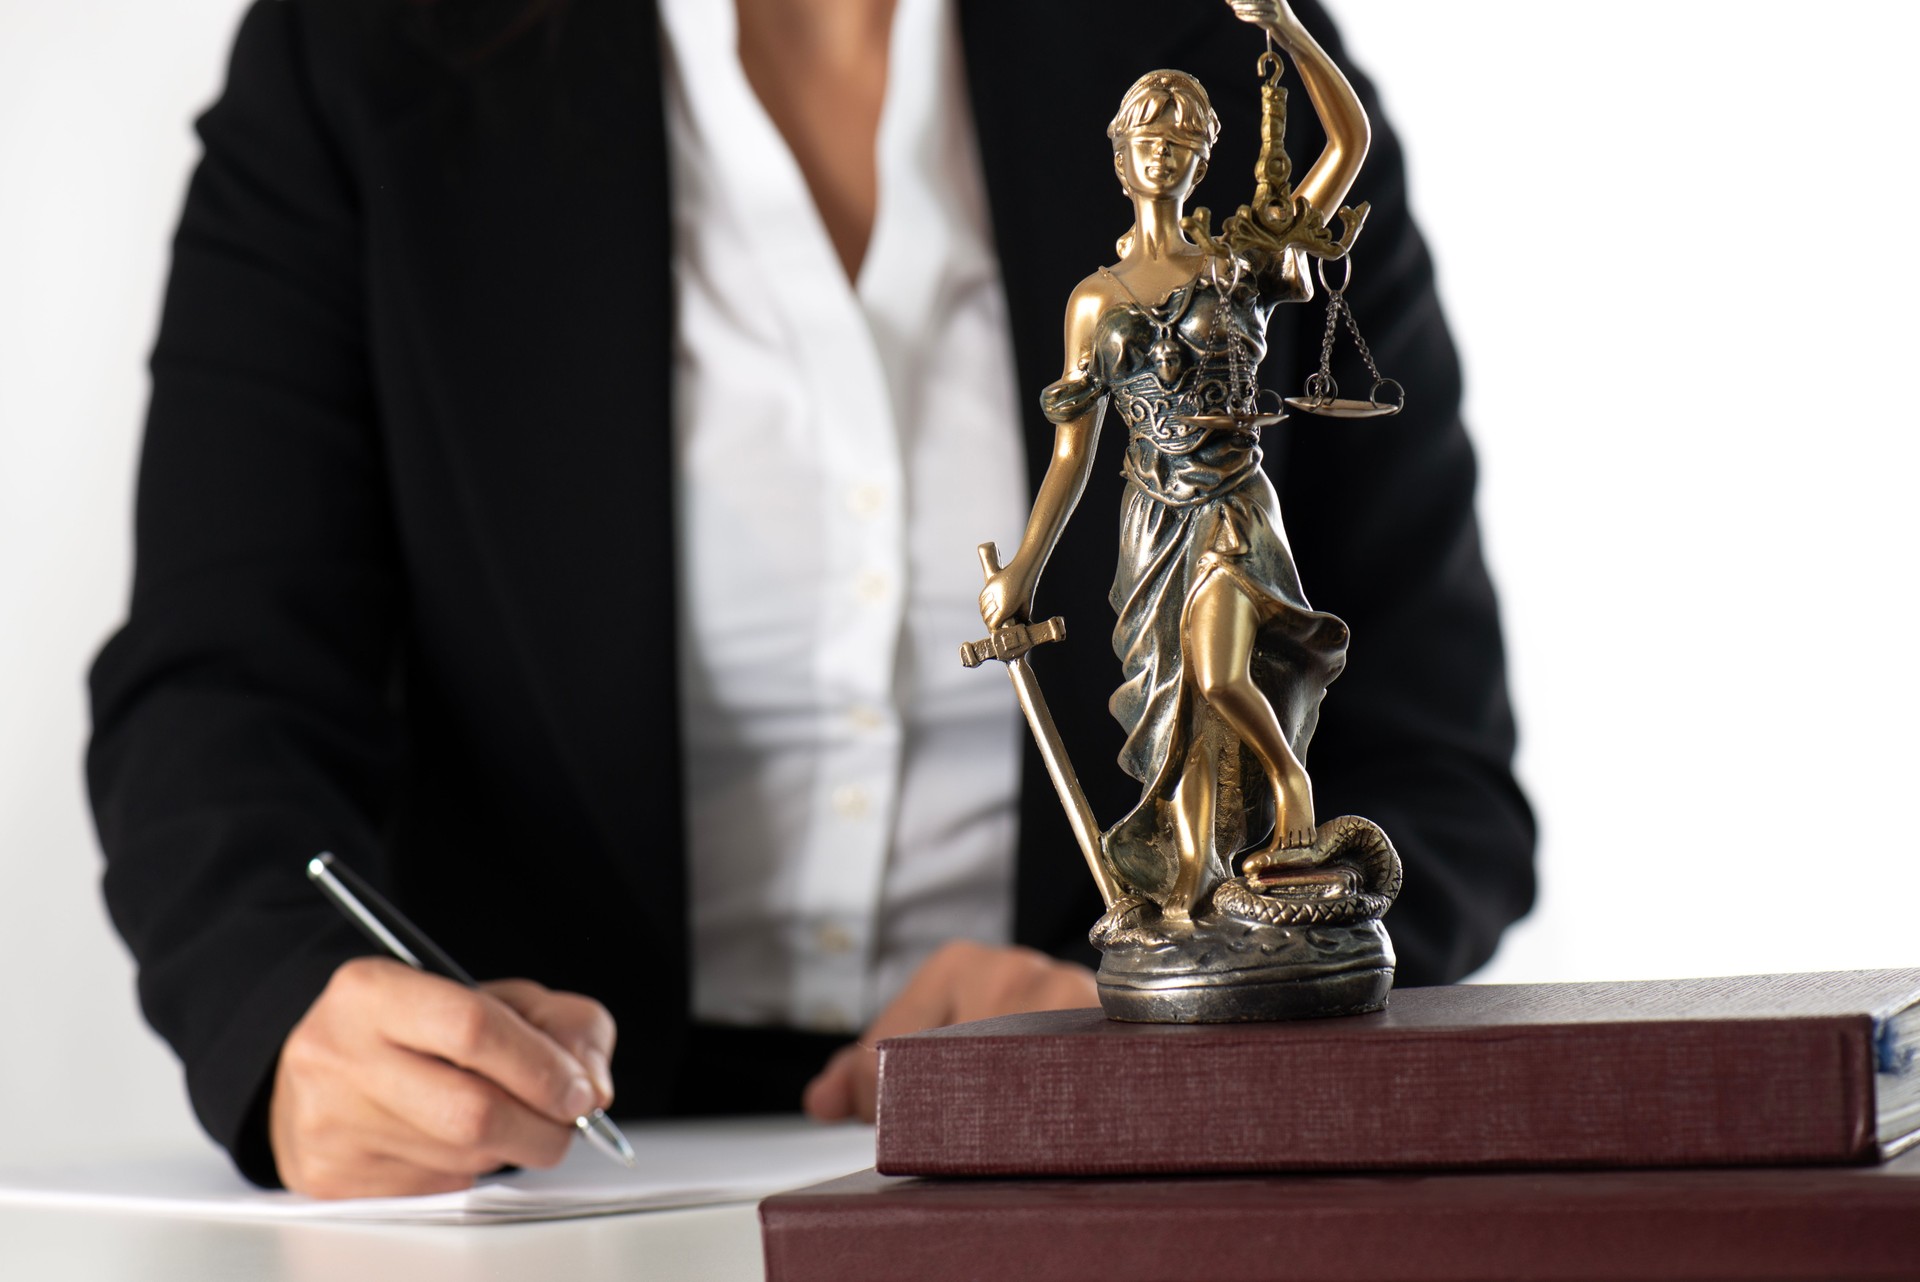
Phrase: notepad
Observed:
(710, 1162)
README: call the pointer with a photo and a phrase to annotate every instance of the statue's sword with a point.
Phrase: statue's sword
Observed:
(1009, 644)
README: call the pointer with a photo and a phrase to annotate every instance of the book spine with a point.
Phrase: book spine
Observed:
(1725, 1092)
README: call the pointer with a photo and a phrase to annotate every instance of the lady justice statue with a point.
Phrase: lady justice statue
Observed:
(1224, 663)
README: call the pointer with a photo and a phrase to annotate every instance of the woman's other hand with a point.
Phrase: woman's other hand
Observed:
(397, 1082)
(962, 981)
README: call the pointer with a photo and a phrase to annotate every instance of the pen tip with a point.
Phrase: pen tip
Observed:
(598, 1128)
(318, 864)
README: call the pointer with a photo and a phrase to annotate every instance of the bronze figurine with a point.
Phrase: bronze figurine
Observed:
(1224, 662)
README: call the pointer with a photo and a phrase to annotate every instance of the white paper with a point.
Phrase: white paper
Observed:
(678, 1164)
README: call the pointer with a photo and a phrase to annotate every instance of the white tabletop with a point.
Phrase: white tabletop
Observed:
(185, 1215)
(711, 1244)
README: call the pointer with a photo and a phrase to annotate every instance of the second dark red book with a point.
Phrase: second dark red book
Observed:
(1755, 1070)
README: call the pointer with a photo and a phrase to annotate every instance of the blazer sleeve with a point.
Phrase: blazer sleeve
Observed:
(1418, 733)
(242, 718)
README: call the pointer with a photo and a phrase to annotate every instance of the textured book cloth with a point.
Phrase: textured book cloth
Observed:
(1755, 1070)
(1837, 1224)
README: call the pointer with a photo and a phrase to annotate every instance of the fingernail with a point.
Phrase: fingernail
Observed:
(601, 1072)
(579, 1099)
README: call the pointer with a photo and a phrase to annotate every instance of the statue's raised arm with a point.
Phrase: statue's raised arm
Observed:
(1342, 117)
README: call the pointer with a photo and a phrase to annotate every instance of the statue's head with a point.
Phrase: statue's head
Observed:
(1162, 135)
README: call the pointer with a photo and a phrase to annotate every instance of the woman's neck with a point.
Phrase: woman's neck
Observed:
(819, 67)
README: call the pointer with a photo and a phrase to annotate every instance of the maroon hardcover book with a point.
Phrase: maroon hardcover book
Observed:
(1836, 1224)
(1755, 1070)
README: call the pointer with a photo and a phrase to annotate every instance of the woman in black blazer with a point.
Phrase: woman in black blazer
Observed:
(405, 575)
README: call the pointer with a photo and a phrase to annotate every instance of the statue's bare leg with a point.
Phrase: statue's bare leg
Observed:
(1221, 625)
(1193, 803)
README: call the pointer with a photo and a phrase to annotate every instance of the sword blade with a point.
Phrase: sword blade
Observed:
(1054, 753)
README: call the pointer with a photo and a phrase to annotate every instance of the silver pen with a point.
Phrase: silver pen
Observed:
(388, 927)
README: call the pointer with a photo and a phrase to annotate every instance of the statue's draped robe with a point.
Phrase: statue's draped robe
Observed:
(1197, 505)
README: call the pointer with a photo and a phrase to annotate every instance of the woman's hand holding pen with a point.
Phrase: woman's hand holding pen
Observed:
(400, 1082)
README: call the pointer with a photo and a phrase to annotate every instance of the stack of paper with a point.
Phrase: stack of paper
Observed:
(680, 1164)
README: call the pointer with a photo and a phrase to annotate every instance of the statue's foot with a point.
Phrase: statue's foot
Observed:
(1294, 833)
(1351, 873)
(1286, 851)
(1318, 883)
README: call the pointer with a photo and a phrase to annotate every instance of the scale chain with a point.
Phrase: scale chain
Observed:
(1334, 304)
(1353, 328)
(1339, 309)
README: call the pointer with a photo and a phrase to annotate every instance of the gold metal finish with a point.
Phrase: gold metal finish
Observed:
(1323, 394)
(1161, 140)
(1347, 407)
(1224, 661)
(1214, 422)
(1012, 641)
(1009, 644)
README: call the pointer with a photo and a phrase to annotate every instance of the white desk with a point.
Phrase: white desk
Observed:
(186, 1217)
(714, 1244)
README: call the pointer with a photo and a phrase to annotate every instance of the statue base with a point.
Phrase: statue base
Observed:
(1280, 943)
(1221, 970)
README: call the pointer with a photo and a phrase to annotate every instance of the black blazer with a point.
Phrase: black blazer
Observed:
(404, 583)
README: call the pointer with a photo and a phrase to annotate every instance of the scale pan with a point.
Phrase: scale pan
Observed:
(1216, 422)
(1342, 407)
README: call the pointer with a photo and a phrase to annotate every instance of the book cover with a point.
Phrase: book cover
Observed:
(1814, 1068)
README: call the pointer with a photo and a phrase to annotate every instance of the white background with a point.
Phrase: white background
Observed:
(1676, 243)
